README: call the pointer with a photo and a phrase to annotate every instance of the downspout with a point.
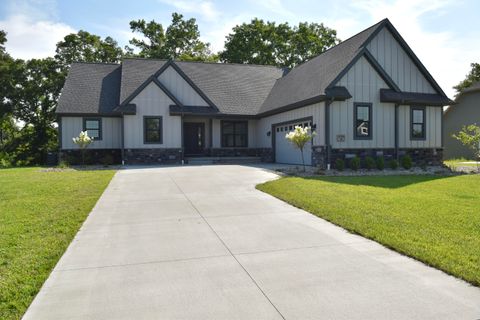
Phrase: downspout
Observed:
(396, 130)
(181, 137)
(60, 144)
(327, 132)
(123, 139)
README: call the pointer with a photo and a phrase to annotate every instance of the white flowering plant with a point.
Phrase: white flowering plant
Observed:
(82, 141)
(299, 137)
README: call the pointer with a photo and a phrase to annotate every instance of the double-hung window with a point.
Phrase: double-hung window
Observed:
(417, 123)
(93, 126)
(362, 120)
(152, 129)
(234, 134)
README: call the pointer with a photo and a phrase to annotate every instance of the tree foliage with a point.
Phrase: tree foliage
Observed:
(472, 77)
(261, 42)
(469, 136)
(181, 40)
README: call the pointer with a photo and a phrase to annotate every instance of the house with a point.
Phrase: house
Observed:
(369, 95)
(465, 111)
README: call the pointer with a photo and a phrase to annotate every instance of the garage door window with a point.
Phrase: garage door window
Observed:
(234, 134)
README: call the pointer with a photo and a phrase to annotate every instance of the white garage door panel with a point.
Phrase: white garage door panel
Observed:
(285, 152)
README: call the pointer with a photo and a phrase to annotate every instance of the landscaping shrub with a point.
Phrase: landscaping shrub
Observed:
(339, 164)
(406, 162)
(355, 163)
(380, 163)
(393, 164)
(369, 163)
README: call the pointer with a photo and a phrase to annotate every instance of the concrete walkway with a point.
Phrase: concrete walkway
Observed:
(201, 243)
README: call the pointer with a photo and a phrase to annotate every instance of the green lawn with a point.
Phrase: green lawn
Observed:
(454, 163)
(433, 219)
(40, 212)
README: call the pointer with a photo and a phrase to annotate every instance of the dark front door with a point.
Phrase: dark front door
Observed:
(193, 138)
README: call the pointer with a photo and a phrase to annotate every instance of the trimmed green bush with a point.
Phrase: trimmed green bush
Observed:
(380, 163)
(406, 162)
(393, 164)
(355, 163)
(369, 163)
(339, 164)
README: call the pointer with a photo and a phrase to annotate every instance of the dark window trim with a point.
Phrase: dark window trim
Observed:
(370, 113)
(221, 133)
(424, 136)
(100, 127)
(145, 129)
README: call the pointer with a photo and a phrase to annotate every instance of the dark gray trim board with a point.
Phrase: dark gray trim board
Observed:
(145, 118)
(100, 126)
(103, 115)
(293, 106)
(370, 120)
(424, 137)
(60, 133)
(397, 127)
(274, 125)
(378, 68)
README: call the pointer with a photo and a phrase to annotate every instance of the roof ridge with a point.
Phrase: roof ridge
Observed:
(205, 62)
(97, 63)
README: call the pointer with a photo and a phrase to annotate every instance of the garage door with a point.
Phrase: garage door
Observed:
(285, 152)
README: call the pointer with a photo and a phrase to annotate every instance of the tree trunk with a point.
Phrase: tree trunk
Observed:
(303, 160)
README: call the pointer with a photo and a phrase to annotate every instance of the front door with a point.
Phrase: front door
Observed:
(194, 138)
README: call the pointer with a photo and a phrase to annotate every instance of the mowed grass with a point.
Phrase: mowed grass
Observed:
(40, 212)
(433, 219)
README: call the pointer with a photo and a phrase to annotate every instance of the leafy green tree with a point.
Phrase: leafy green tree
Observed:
(86, 47)
(469, 136)
(261, 42)
(34, 100)
(181, 40)
(472, 77)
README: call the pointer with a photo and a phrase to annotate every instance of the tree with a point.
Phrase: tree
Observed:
(299, 137)
(260, 42)
(180, 41)
(34, 100)
(82, 141)
(469, 136)
(86, 47)
(472, 77)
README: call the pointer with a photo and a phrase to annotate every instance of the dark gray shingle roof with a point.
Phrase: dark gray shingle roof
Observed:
(90, 88)
(311, 78)
(135, 72)
(233, 88)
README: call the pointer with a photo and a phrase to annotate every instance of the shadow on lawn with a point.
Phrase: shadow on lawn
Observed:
(390, 182)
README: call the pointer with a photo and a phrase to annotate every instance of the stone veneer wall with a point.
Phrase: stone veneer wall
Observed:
(152, 156)
(266, 154)
(92, 156)
(319, 157)
(422, 156)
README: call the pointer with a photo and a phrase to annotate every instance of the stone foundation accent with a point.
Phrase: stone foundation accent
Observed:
(266, 154)
(92, 156)
(421, 156)
(153, 156)
(319, 157)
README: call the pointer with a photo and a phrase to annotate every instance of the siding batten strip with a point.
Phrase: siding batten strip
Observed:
(396, 130)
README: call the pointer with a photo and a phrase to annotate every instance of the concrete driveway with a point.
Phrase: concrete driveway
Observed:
(200, 242)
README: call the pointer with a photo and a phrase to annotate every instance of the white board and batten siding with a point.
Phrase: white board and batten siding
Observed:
(152, 101)
(364, 84)
(180, 88)
(397, 64)
(316, 111)
(433, 128)
(111, 133)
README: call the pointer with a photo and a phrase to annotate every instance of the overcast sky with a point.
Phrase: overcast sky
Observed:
(443, 33)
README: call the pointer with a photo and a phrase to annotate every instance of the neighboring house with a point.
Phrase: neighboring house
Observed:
(465, 111)
(369, 95)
